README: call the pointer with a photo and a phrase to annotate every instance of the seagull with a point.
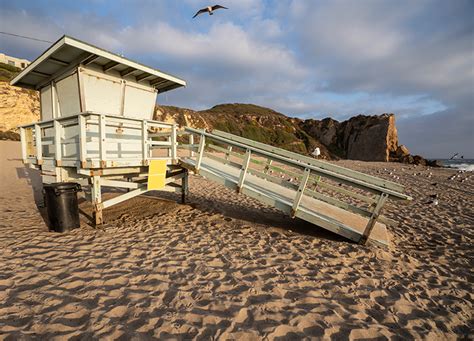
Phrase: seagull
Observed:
(208, 9)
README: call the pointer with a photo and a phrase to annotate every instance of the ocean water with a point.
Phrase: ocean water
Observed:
(460, 164)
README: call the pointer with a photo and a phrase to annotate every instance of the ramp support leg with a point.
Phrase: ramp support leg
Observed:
(97, 200)
(299, 194)
(373, 219)
(202, 144)
(244, 169)
(184, 186)
(191, 142)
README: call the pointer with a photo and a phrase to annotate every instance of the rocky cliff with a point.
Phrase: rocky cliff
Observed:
(368, 138)
(17, 106)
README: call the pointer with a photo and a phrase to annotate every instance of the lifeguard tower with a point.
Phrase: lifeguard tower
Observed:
(96, 124)
(97, 129)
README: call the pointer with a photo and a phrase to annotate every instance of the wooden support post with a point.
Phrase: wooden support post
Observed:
(169, 147)
(202, 144)
(80, 85)
(191, 143)
(227, 154)
(300, 192)
(122, 97)
(54, 100)
(174, 144)
(82, 140)
(39, 145)
(57, 142)
(267, 166)
(243, 170)
(373, 219)
(97, 200)
(24, 154)
(145, 143)
(184, 186)
(102, 145)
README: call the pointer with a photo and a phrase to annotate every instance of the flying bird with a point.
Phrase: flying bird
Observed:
(208, 9)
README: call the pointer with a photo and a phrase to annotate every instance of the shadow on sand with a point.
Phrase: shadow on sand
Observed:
(232, 210)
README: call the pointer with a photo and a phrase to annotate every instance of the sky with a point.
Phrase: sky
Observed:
(306, 59)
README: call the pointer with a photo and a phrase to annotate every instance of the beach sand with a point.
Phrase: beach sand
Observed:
(225, 266)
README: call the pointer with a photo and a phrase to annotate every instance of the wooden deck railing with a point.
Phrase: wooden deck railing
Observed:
(96, 128)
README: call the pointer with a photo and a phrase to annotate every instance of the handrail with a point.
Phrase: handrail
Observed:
(302, 165)
(278, 169)
(85, 113)
(318, 163)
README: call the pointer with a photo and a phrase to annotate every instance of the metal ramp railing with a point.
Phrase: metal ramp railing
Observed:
(338, 199)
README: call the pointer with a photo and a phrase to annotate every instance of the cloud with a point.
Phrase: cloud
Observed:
(225, 44)
(401, 48)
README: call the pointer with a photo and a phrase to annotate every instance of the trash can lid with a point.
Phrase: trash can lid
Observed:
(63, 186)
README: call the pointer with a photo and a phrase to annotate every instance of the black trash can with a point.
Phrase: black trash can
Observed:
(61, 203)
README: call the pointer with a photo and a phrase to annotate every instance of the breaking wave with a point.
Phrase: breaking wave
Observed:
(464, 164)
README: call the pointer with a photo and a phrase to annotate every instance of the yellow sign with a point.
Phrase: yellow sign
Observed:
(156, 174)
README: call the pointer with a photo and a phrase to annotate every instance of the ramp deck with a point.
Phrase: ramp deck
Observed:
(335, 219)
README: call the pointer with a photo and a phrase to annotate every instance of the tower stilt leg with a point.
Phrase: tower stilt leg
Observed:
(97, 200)
(184, 186)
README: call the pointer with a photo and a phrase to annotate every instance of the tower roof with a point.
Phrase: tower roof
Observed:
(67, 53)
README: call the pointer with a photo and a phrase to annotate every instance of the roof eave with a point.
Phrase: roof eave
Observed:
(38, 60)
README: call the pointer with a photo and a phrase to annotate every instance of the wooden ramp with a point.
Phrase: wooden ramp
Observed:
(335, 219)
(294, 196)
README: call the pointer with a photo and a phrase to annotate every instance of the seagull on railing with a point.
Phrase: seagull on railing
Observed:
(209, 9)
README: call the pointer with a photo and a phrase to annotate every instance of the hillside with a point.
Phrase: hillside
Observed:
(367, 138)
(247, 120)
(17, 106)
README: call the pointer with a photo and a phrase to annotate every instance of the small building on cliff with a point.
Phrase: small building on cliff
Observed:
(14, 61)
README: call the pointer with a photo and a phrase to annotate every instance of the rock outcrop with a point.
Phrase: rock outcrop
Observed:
(367, 138)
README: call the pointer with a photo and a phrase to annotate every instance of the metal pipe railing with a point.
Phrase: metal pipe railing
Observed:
(302, 165)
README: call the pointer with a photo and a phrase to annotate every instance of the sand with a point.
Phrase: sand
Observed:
(226, 267)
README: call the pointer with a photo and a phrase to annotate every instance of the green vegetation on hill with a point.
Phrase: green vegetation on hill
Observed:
(8, 72)
(257, 123)
(242, 109)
